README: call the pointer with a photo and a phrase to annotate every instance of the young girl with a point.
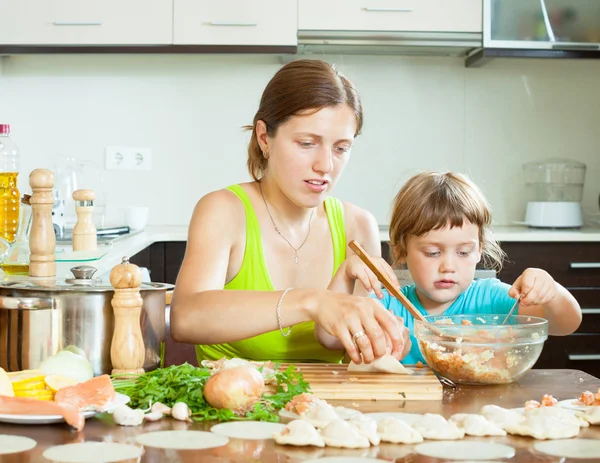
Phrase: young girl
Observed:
(440, 232)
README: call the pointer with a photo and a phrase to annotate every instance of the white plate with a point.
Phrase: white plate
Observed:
(408, 418)
(570, 404)
(120, 399)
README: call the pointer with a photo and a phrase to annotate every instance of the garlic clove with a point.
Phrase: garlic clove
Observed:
(125, 416)
(153, 416)
(161, 408)
(181, 412)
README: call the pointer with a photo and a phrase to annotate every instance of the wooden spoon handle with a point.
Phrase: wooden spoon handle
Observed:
(385, 281)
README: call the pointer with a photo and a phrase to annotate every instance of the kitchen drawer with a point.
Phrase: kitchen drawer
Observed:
(589, 300)
(576, 351)
(86, 22)
(236, 22)
(571, 264)
(391, 15)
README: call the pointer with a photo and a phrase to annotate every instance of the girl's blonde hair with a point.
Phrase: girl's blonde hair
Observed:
(297, 88)
(431, 201)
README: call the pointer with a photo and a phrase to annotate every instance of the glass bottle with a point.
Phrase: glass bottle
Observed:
(17, 260)
(9, 193)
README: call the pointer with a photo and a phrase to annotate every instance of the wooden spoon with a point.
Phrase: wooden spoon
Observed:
(387, 283)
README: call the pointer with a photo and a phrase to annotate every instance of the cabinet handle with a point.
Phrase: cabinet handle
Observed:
(590, 311)
(230, 24)
(585, 264)
(584, 357)
(77, 23)
(390, 10)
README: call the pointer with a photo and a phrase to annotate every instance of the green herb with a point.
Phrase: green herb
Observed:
(185, 383)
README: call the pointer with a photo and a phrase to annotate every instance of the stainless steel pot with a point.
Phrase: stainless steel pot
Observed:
(41, 316)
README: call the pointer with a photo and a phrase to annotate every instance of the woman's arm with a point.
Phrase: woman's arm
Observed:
(353, 276)
(203, 313)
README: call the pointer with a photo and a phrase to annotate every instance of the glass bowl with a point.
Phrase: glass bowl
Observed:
(478, 349)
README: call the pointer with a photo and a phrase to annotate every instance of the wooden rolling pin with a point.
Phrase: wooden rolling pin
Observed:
(127, 350)
(42, 239)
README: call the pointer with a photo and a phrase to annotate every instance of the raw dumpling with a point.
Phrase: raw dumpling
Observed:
(320, 414)
(367, 426)
(545, 427)
(346, 413)
(502, 417)
(385, 364)
(397, 432)
(591, 415)
(340, 433)
(299, 433)
(432, 426)
(476, 425)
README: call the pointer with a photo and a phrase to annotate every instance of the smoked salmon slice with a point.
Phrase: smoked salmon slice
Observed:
(26, 406)
(93, 394)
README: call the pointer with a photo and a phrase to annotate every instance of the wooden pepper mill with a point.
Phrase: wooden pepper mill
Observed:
(127, 351)
(84, 232)
(42, 239)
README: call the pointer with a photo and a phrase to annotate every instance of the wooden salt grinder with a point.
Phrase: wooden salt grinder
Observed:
(84, 232)
(127, 351)
(42, 238)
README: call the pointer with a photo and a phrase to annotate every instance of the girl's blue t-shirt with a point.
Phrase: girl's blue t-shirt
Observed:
(484, 296)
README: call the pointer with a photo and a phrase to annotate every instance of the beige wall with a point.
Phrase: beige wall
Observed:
(420, 113)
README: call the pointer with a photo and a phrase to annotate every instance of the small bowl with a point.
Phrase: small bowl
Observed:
(478, 349)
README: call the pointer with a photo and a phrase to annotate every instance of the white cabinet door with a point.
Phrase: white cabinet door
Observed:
(391, 15)
(235, 22)
(86, 22)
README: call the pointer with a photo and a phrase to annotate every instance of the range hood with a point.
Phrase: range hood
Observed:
(320, 42)
(538, 29)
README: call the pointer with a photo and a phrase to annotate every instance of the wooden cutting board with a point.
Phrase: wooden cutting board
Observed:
(332, 381)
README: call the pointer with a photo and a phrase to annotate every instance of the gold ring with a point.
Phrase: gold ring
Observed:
(358, 335)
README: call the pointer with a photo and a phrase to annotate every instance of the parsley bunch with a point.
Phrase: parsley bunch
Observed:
(185, 383)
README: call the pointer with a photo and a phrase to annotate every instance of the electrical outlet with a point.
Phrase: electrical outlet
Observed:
(127, 158)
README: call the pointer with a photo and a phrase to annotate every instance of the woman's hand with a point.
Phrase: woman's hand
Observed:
(535, 286)
(344, 316)
(353, 269)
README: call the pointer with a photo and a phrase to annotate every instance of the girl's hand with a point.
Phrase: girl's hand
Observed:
(355, 269)
(535, 286)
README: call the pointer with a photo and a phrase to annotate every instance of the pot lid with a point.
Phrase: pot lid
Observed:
(82, 281)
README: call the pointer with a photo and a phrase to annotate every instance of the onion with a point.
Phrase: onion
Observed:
(237, 389)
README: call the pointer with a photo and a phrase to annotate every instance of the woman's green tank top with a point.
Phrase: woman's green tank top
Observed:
(300, 345)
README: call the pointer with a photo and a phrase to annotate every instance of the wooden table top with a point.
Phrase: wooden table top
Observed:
(562, 384)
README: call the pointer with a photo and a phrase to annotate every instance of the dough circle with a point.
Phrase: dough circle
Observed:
(475, 450)
(15, 444)
(570, 448)
(88, 452)
(182, 440)
(251, 430)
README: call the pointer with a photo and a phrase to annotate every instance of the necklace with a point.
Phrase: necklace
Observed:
(296, 258)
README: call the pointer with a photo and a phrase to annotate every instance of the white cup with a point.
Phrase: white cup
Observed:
(136, 218)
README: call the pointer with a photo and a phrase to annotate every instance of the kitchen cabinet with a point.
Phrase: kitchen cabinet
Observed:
(576, 266)
(391, 15)
(235, 22)
(163, 260)
(86, 22)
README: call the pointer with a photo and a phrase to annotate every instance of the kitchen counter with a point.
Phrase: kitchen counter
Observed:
(522, 233)
(131, 245)
(562, 384)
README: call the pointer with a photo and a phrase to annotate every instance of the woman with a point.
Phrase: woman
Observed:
(260, 255)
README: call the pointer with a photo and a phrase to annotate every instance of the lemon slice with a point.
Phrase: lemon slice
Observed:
(26, 375)
(44, 394)
(28, 385)
(56, 382)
